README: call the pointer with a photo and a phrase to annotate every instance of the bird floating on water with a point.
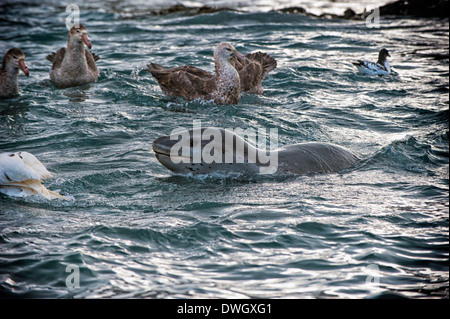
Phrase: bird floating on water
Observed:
(234, 73)
(21, 174)
(74, 65)
(13, 60)
(191, 83)
(381, 67)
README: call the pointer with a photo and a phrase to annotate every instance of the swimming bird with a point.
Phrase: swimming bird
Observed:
(21, 174)
(219, 151)
(74, 66)
(13, 60)
(192, 83)
(252, 69)
(381, 67)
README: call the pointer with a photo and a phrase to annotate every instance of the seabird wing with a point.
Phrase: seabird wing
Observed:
(251, 75)
(27, 188)
(90, 59)
(56, 58)
(34, 164)
(186, 81)
(267, 62)
(370, 67)
(96, 57)
(197, 72)
(15, 167)
(21, 174)
(252, 69)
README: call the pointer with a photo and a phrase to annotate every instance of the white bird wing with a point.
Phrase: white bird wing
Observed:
(21, 174)
(21, 166)
(17, 191)
(371, 67)
(27, 188)
(374, 66)
(34, 164)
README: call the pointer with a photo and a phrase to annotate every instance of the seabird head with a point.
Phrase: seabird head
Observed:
(382, 56)
(14, 59)
(225, 51)
(79, 34)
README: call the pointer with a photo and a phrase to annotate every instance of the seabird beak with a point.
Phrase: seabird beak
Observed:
(86, 40)
(24, 67)
(239, 56)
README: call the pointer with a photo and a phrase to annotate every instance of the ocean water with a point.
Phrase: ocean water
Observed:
(135, 230)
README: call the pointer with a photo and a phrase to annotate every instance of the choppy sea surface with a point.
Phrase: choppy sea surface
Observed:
(133, 229)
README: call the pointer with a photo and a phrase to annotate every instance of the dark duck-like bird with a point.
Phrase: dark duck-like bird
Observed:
(381, 67)
(13, 60)
(192, 83)
(74, 65)
(252, 69)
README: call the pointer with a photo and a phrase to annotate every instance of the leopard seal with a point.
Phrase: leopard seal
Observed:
(224, 152)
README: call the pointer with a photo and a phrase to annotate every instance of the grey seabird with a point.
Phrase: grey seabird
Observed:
(74, 65)
(13, 60)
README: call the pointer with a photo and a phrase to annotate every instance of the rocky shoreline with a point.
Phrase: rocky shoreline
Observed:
(413, 8)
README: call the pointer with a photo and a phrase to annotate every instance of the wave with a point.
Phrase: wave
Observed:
(408, 155)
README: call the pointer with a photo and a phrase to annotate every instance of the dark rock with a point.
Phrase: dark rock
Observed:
(208, 9)
(349, 14)
(417, 8)
(180, 8)
(174, 9)
(293, 10)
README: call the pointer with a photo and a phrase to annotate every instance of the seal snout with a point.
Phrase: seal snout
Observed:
(162, 145)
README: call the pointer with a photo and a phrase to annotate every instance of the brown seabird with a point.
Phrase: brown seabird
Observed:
(192, 83)
(74, 66)
(13, 60)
